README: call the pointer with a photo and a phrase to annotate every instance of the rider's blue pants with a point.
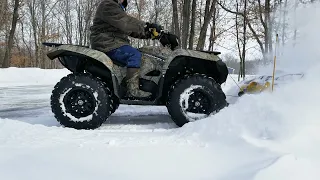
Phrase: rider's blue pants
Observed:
(127, 55)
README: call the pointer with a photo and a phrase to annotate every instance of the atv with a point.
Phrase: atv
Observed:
(187, 82)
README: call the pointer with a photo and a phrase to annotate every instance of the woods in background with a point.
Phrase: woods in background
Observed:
(244, 28)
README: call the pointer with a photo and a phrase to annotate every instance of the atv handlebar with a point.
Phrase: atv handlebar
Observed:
(166, 38)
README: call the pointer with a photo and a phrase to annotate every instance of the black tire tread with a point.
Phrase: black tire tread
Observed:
(201, 78)
(81, 125)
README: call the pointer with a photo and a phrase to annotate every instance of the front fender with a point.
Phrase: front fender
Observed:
(189, 53)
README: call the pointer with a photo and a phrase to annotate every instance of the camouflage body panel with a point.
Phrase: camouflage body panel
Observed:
(161, 52)
(148, 62)
(94, 54)
(159, 58)
(188, 53)
(153, 59)
(167, 54)
(118, 71)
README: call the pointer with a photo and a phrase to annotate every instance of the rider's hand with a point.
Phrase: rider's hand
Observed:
(154, 29)
(153, 26)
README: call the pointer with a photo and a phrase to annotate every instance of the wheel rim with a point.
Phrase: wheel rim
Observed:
(196, 103)
(199, 102)
(79, 102)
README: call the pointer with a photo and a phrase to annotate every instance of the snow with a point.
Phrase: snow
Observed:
(258, 137)
(184, 97)
(30, 76)
(266, 136)
(184, 103)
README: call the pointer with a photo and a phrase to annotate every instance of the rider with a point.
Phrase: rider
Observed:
(109, 34)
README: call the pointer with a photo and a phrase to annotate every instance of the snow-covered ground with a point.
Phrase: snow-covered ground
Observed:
(259, 137)
(137, 143)
(270, 136)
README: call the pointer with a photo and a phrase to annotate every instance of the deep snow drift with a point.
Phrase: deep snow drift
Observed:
(286, 121)
(261, 137)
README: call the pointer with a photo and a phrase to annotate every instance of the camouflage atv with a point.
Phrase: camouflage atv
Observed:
(187, 82)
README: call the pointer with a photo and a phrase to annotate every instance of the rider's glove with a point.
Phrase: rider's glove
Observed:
(155, 30)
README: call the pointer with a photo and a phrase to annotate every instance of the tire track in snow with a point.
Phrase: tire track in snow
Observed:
(31, 104)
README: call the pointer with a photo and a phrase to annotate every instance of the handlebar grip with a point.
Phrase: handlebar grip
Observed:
(155, 34)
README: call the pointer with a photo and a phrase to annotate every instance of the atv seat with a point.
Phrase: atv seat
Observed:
(212, 52)
(50, 44)
(121, 64)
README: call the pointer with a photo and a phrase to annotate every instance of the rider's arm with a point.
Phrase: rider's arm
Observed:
(140, 36)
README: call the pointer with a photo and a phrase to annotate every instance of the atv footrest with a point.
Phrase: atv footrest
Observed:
(137, 102)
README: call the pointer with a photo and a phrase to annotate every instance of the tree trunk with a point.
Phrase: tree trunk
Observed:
(266, 22)
(213, 36)
(89, 14)
(238, 42)
(156, 6)
(244, 46)
(7, 56)
(43, 34)
(269, 25)
(3, 13)
(172, 29)
(32, 6)
(139, 16)
(193, 23)
(207, 18)
(80, 31)
(26, 45)
(186, 22)
(295, 24)
(176, 19)
(284, 22)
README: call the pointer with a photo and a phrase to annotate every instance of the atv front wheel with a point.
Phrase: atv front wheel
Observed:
(81, 101)
(193, 98)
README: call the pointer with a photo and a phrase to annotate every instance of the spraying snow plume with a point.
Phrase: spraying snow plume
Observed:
(286, 121)
(301, 53)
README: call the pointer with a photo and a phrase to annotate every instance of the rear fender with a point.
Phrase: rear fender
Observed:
(79, 58)
(70, 53)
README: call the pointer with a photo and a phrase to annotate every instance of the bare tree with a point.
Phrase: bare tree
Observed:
(210, 9)
(199, 24)
(250, 22)
(15, 16)
(175, 18)
(3, 13)
(186, 23)
(193, 23)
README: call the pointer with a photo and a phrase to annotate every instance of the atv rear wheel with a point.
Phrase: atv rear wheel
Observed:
(81, 101)
(193, 98)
